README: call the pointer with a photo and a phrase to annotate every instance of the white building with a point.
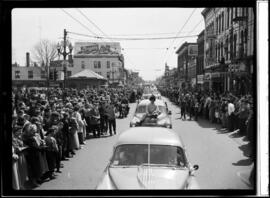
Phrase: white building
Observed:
(103, 58)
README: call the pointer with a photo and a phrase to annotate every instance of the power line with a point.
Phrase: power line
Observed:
(146, 38)
(92, 23)
(161, 33)
(181, 30)
(79, 22)
(183, 38)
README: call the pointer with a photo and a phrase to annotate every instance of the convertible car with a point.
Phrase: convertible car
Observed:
(161, 120)
(149, 158)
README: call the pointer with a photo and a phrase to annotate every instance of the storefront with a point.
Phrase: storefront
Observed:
(217, 82)
(240, 79)
(207, 81)
(200, 81)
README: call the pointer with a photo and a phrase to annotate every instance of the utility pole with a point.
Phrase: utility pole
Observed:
(64, 53)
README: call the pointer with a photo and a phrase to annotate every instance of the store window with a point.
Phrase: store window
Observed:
(17, 74)
(30, 74)
(43, 74)
(68, 73)
(82, 64)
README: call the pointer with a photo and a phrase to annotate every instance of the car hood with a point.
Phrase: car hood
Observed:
(148, 178)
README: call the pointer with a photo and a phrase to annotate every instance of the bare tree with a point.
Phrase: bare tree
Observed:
(44, 52)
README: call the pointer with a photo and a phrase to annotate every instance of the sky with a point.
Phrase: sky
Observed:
(148, 57)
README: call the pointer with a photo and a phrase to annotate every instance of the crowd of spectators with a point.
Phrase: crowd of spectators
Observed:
(233, 113)
(50, 125)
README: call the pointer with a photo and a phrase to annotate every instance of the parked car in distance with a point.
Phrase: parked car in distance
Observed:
(149, 158)
(162, 120)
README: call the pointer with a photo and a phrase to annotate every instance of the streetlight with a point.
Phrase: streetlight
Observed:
(61, 48)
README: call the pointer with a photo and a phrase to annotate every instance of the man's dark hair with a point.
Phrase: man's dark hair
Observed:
(152, 97)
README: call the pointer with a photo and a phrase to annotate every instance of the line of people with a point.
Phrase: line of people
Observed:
(49, 126)
(233, 113)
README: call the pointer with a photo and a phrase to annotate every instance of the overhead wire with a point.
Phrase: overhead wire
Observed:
(183, 39)
(90, 21)
(180, 31)
(146, 38)
(79, 22)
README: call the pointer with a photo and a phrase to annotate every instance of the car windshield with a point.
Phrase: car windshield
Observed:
(138, 154)
(142, 109)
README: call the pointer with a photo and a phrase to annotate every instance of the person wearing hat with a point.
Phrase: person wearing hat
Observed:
(243, 116)
(103, 116)
(231, 109)
(94, 120)
(80, 122)
(66, 152)
(35, 161)
(110, 113)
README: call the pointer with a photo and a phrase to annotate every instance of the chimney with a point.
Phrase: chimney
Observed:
(27, 59)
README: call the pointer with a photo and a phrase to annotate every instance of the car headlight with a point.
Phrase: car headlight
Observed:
(134, 122)
(164, 122)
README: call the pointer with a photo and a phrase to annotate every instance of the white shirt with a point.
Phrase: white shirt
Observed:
(230, 108)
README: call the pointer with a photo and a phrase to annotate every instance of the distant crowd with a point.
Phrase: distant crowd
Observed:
(49, 126)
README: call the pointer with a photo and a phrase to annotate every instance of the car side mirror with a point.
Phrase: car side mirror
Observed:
(169, 113)
(196, 167)
(193, 169)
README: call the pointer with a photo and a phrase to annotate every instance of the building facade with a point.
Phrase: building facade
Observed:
(103, 58)
(228, 49)
(200, 61)
(28, 75)
(186, 64)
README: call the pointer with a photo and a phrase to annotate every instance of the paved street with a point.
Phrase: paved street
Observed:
(220, 156)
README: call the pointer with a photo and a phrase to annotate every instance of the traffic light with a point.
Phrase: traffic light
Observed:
(51, 75)
(55, 74)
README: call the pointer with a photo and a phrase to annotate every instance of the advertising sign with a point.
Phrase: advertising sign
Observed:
(200, 79)
(193, 50)
(97, 48)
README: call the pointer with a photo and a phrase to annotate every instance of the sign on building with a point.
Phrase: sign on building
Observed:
(193, 50)
(200, 79)
(97, 48)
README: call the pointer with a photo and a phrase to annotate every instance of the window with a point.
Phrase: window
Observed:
(99, 73)
(68, 73)
(82, 64)
(231, 15)
(222, 21)
(234, 45)
(97, 64)
(17, 74)
(228, 17)
(235, 12)
(43, 74)
(221, 50)
(108, 75)
(108, 64)
(30, 74)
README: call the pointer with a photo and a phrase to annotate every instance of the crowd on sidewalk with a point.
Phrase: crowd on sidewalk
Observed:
(233, 113)
(50, 125)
